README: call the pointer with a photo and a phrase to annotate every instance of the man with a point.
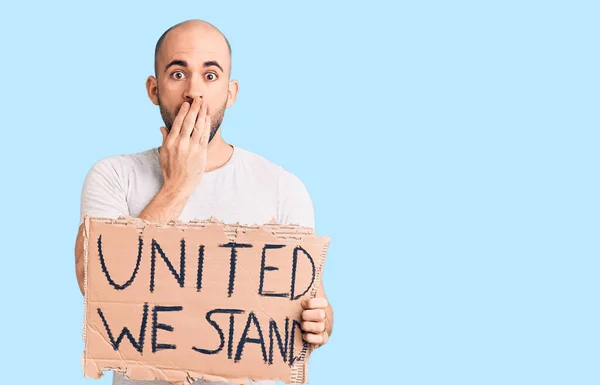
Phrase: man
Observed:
(195, 173)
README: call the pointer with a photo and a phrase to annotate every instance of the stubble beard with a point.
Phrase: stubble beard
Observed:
(216, 119)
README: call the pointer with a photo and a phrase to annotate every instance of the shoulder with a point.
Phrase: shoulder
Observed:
(262, 165)
(116, 172)
(259, 164)
(293, 200)
(264, 168)
(105, 187)
(121, 165)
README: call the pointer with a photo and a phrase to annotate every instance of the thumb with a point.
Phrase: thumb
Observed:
(164, 132)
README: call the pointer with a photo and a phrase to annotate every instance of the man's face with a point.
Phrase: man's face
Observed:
(193, 63)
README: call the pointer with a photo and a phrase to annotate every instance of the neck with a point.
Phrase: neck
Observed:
(219, 152)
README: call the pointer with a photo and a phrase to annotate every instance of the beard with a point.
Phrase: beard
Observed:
(216, 118)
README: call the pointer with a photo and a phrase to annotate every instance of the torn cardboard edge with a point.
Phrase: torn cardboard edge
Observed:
(298, 370)
(139, 372)
(291, 231)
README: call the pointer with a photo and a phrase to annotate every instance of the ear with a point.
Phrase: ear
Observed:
(152, 89)
(232, 92)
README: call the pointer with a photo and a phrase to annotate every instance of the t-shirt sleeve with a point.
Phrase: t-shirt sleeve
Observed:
(103, 193)
(295, 206)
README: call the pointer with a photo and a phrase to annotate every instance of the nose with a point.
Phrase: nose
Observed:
(194, 89)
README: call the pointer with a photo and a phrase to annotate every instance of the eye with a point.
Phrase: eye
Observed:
(178, 75)
(212, 75)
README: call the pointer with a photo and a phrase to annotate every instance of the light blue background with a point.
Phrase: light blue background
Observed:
(450, 149)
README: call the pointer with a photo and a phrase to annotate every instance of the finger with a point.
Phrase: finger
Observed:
(200, 123)
(313, 338)
(315, 303)
(206, 133)
(313, 327)
(316, 315)
(176, 127)
(190, 118)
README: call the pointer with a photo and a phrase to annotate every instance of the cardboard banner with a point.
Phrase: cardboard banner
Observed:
(199, 299)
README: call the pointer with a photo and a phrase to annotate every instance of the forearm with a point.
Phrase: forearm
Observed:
(166, 206)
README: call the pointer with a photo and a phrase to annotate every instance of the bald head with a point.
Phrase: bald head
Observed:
(190, 26)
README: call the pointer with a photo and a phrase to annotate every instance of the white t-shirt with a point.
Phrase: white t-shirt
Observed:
(248, 190)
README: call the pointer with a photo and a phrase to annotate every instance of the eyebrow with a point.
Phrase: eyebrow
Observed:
(183, 63)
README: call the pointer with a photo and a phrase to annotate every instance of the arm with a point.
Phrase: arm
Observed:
(102, 195)
(165, 206)
(296, 208)
(182, 159)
